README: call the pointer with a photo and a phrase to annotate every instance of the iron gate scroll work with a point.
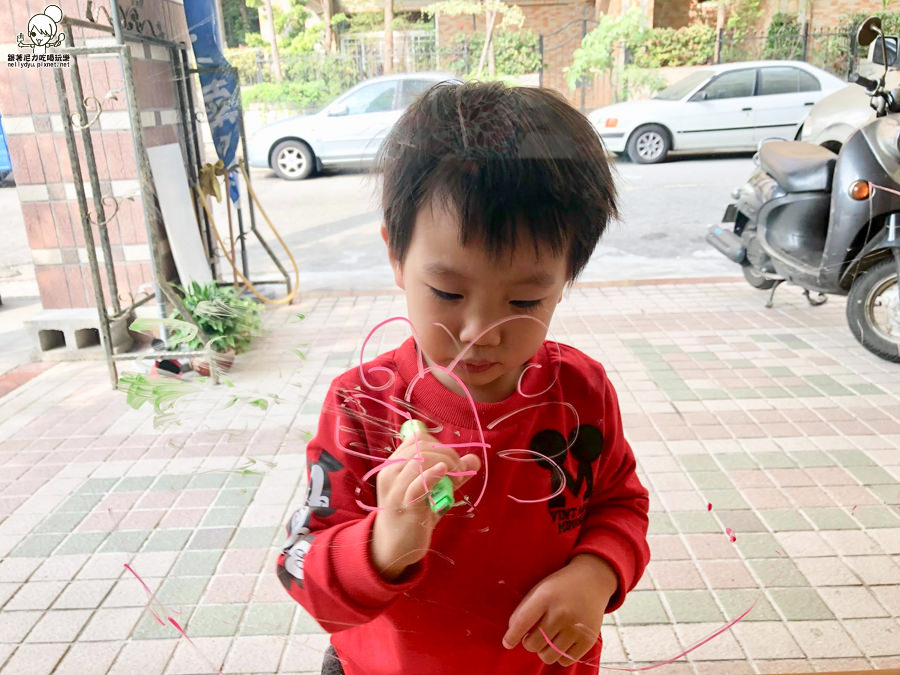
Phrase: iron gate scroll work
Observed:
(131, 33)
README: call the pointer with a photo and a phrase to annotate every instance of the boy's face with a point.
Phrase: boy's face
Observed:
(467, 291)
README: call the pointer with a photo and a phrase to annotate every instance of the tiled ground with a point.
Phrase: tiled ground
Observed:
(776, 418)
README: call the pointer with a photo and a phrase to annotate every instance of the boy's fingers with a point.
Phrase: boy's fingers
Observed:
(422, 484)
(468, 463)
(525, 617)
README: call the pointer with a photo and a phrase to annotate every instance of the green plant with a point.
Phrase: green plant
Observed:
(783, 39)
(687, 46)
(515, 53)
(637, 82)
(745, 14)
(599, 48)
(228, 320)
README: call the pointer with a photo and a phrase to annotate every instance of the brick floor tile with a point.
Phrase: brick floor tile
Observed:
(89, 658)
(889, 597)
(201, 655)
(19, 569)
(675, 575)
(727, 574)
(722, 647)
(876, 637)
(800, 604)
(226, 588)
(35, 659)
(803, 544)
(255, 654)
(112, 623)
(826, 572)
(823, 639)
(15, 625)
(767, 640)
(667, 547)
(304, 653)
(852, 602)
(875, 569)
(650, 643)
(85, 593)
(706, 546)
(147, 657)
(59, 625)
(35, 595)
(782, 666)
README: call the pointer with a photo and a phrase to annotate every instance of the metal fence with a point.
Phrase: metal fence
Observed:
(833, 50)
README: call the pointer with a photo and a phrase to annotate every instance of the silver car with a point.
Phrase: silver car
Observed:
(346, 133)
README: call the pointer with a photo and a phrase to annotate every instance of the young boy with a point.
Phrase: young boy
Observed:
(493, 199)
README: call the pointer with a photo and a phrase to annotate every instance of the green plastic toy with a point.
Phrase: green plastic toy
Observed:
(442, 493)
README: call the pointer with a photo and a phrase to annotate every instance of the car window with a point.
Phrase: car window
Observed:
(378, 97)
(785, 80)
(412, 89)
(684, 86)
(731, 85)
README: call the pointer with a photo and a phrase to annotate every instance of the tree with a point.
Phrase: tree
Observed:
(513, 17)
(268, 15)
(388, 37)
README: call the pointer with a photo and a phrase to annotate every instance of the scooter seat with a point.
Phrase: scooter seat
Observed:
(798, 166)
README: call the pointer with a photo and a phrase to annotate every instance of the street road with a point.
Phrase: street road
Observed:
(331, 224)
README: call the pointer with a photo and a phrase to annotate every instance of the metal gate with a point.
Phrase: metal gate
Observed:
(130, 31)
(556, 51)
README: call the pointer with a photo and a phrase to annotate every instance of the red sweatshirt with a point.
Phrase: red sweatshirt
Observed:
(451, 610)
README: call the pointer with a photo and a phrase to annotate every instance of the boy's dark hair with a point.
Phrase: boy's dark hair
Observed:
(500, 158)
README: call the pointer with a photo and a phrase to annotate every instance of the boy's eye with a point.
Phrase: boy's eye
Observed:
(443, 295)
(526, 304)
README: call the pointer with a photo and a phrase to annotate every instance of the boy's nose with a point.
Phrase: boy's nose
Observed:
(475, 330)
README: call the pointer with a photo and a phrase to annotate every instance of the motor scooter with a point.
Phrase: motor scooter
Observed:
(828, 223)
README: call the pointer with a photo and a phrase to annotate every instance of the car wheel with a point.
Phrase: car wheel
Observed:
(648, 144)
(292, 160)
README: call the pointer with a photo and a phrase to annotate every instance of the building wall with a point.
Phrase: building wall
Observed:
(41, 166)
(673, 13)
(561, 23)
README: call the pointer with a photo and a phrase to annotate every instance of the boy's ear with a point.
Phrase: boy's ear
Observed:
(395, 264)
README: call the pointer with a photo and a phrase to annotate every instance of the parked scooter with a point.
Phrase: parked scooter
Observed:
(829, 223)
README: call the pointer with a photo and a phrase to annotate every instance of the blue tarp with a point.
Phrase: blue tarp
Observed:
(220, 87)
(5, 164)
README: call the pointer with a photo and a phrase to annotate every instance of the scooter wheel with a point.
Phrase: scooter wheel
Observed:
(756, 278)
(873, 310)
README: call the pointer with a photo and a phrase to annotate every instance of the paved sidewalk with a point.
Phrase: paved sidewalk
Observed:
(777, 418)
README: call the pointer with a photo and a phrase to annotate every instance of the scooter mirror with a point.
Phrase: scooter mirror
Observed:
(868, 31)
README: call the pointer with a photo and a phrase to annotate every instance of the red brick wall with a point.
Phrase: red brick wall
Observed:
(827, 13)
(673, 13)
(30, 108)
(543, 18)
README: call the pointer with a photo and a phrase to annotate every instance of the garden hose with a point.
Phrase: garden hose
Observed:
(209, 186)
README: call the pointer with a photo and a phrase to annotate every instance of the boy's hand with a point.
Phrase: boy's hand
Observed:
(569, 606)
(403, 527)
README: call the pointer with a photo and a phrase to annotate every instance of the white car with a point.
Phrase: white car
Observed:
(724, 107)
(836, 116)
(346, 133)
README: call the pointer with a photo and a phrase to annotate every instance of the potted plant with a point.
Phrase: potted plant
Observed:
(229, 321)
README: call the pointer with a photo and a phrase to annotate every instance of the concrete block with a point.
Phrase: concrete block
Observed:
(74, 334)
